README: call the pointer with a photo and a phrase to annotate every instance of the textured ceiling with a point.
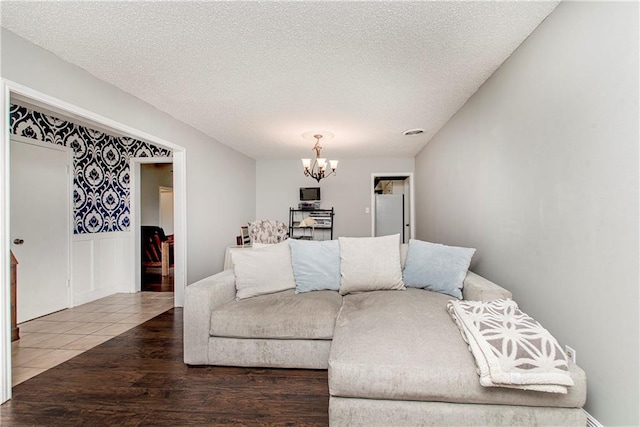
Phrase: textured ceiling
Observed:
(257, 75)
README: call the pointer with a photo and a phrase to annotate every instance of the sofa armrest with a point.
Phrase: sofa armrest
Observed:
(477, 288)
(200, 299)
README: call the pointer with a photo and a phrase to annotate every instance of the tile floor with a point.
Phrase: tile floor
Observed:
(50, 340)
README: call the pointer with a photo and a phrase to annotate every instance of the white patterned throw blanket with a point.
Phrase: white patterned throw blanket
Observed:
(511, 349)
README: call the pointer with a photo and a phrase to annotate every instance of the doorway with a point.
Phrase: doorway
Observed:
(392, 205)
(156, 221)
(11, 90)
(40, 226)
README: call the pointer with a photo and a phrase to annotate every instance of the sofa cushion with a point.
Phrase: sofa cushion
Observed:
(269, 353)
(263, 271)
(404, 346)
(283, 315)
(370, 264)
(436, 267)
(316, 265)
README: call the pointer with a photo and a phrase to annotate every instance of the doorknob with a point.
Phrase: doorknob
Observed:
(18, 241)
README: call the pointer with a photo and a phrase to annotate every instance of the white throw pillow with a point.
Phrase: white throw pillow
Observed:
(370, 264)
(263, 271)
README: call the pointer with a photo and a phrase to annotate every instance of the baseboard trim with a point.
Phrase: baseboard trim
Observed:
(591, 421)
(89, 296)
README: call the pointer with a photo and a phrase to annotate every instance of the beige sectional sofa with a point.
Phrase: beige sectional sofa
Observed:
(281, 330)
(393, 357)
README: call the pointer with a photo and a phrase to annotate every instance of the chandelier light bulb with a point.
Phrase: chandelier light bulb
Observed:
(317, 169)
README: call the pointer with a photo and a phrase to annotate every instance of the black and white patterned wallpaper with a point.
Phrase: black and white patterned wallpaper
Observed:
(101, 191)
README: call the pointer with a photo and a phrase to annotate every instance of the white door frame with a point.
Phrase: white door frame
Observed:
(136, 213)
(9, 88)
(70, 219)
(412, 209)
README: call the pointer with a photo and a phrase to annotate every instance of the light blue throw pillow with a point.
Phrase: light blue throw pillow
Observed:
(316, 265)
(436, 267)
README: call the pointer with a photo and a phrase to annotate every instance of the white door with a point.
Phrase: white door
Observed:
(39, 227)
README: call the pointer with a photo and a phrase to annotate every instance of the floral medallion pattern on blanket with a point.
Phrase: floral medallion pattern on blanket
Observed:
(511, 348)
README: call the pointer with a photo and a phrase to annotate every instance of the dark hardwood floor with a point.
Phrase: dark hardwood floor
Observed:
(139, 379)
(152, 280)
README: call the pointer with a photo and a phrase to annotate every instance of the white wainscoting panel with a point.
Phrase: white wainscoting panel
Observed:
(102, 265)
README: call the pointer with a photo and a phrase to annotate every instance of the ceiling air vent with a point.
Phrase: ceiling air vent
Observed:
(413, 132)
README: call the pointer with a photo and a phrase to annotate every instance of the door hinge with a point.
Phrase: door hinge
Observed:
(68, 283)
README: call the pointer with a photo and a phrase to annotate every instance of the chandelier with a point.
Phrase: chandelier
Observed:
(318, 169)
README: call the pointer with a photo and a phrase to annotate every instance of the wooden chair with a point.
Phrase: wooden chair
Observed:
(245, 239)
(157, 249)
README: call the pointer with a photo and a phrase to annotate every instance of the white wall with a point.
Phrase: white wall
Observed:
(102, 265)
(152, 177)
(278, 183)
(214, 209)
(539, 172)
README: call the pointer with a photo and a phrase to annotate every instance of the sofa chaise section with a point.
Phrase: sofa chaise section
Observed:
(398, 356)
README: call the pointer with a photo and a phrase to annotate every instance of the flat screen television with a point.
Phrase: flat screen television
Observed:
(309, 194)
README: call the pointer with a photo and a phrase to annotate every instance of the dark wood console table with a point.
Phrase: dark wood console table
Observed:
(15, 331)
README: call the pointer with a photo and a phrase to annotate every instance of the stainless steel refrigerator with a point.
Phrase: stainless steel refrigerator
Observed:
(390, 215)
